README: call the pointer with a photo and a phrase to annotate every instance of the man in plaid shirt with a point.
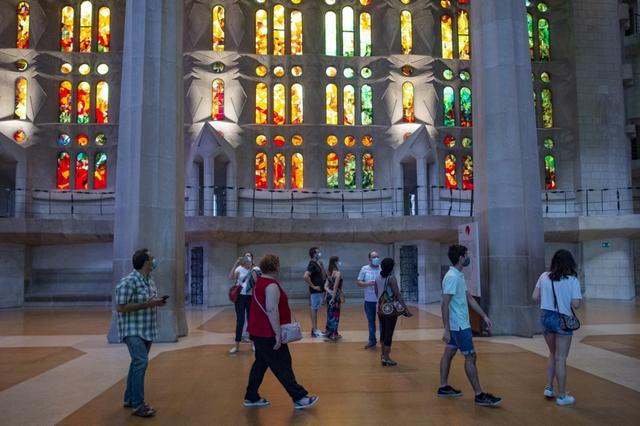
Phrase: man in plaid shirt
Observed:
(136, 302)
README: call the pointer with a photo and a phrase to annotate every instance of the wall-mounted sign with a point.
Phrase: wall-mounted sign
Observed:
(468, 237)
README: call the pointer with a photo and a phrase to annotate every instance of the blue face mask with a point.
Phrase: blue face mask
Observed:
(339, 264)
(466, 262)
(375, 261)
(154, 263)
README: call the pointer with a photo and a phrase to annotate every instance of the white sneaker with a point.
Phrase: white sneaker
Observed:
(566, 400)
(233, 350)
(548, 392)
(317, 333)
(253, 348)
(259, 403)
(305, 402)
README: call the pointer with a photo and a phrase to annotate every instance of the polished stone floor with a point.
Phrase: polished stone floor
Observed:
(56, 368)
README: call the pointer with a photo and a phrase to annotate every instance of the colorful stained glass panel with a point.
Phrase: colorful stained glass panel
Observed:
(100, 171)
(297, 104)
(407, 103)
(218, 29)
(104, 29)
(365, 34)
(279, 178)
(86, 14)
(366, 105)
(20, 110)
(66, 29)
(65, 95)
(465, 107)
(332, 170)
(296, 32)
(350, 171)
(262, 100)
(82, 171)
(63, 171)
(367, 171)
(261, 170)
(297, 171)
(102, 102)
(217, 100)
(406, 32)
(449, 105)
(331, 103)
(262, 32)
(22, 39)
(279, 104)
(83, 102)
(451, 182)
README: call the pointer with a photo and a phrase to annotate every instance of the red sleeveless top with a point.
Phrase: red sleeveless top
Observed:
(259, 324)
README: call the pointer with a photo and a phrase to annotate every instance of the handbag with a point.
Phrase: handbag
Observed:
(388, 305)
(288, 332)
(234, 292)
(567, 322)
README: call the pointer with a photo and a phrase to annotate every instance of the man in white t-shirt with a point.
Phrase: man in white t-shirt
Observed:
(367, 280)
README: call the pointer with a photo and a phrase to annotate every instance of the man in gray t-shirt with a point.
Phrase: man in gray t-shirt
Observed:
(367, 280)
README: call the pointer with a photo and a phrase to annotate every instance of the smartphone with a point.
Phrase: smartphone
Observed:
(164, 298)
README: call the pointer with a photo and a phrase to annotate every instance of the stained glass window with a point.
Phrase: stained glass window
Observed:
(279, 179)
(365, 34)
(296, 140)
(104, 29)
(100, 172)
(465, 107)
(464, 45)
(262, 99)
(66, 29)
(406, 32)
(407, 103)
(217, 100)
(261, 70)
(102, 102)
(547, 108)
(330, 34)
(350, 171)
(261, 170)
(543, 39)
(332, 170)
(446, 25)
(366, 140)
(349, 107)
(278, 30)
(349, 141)
(530, 33)
(332, 103)
(82, 171)
(261, 140)
(297, 103)
(549, 172)
(62, 177)
(366, 105)
(449, 104)
(348, 38)
(218, 28)
(65, 95)
(332, 140)
(82, 139)
(19, 136)
(22, 39)
(20, 110)
(297, 171)
(86, 12)
(262, 32)
(450, 171)
(367, 171)
(296, 32)
(467, 172)
(279, 104)
(83, 102)
(449, 141)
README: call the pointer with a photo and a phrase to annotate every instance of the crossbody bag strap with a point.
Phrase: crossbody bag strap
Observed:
(265, 296)
(555, 299)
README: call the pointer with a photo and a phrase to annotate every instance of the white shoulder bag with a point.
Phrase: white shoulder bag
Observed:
(288, 332)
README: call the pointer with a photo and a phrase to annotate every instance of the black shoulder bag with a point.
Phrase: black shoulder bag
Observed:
(567, 322)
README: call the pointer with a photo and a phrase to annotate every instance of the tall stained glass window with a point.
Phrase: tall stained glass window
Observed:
(279, 104)
(217, 100)
(367, 171)
(366, 105)
(20, 110)
(332, 103)
(83, 102)
(297, 171)
(467, 172)
(450, 180)
(82, 171)
(446, 29)
(330, 34)
(262, 32)
(279, 164)
(262, 102)
(408, 115)
(100, 172)
(65, 101)
(365, 34)
(102, 102)
(348, 37)
(261, 170)
(22, 39)
(296, 32)
(332, 170)
(406, 32)
(104, 29)
(530, 34)
(66, 29)
(549, 172)
(297, 104)
(86, 14)
(218, 28)
(350, 171)
(349, 107)
(465, 107)
(63, 171)
(278, 30)
(464, 44)
(547, 108)
(543, 39)
(449, 105)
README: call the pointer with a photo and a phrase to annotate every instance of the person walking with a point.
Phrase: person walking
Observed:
(386, 283)
(137, 301)
(457, 329)
(270, 309)
(367, 280)
(315, 276)
(333, 288)
(245, 274)
(558, 292)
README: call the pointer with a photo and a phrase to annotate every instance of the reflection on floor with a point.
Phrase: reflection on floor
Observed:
(56, 367)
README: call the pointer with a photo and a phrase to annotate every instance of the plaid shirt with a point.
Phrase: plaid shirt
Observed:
(135, 288)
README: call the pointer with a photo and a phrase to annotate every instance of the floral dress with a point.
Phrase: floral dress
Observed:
(333, 309)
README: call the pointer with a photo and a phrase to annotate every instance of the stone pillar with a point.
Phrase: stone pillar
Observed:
(209, 181)
(150, 171)
(423, 191)
(507, 174)
(12, 264)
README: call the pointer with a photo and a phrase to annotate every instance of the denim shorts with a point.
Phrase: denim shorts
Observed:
(462, 340)
(315, 300)
(551, 323)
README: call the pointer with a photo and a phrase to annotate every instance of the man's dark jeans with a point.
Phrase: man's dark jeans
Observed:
(370, 311)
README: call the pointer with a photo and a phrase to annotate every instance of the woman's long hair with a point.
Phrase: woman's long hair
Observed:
(562, 265)
(386, 266)
(333, 265)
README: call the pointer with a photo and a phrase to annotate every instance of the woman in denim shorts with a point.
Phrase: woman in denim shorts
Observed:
(561, 278)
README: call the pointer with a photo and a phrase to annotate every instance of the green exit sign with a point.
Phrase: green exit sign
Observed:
(606, 244)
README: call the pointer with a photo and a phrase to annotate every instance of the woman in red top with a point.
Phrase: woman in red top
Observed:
(265, 316)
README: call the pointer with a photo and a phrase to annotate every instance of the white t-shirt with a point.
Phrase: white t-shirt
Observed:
(566, 289)
(243, 279)
(369, 273)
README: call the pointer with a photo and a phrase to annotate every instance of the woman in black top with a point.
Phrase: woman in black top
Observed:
(333, 287)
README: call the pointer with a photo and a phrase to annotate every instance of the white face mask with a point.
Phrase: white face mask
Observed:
(339, 264)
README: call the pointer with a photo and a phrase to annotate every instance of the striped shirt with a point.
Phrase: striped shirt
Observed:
(135, 288)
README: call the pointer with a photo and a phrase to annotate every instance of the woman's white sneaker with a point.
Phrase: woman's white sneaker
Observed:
(566, 400)
(233, 350)
(548, 392)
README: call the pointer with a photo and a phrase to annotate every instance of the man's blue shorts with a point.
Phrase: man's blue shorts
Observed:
(462, 340)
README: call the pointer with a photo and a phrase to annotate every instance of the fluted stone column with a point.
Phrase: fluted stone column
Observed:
(150, 174)
(507, 176)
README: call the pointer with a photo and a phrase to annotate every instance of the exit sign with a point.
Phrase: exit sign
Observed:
(606, 244)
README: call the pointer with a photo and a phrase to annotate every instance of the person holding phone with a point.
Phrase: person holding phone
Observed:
(137, 301)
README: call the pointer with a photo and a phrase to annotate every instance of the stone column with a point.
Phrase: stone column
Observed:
(209, 181)
(507, 176)
(150, 170)
(423, 191)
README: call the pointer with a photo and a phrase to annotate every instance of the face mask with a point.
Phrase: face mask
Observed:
(339, 264)
(375, 261)
(466, 262)
(319, 254)
(154, 263)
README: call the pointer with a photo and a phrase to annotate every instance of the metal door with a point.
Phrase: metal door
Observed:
(409, 273)
(197, 276)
